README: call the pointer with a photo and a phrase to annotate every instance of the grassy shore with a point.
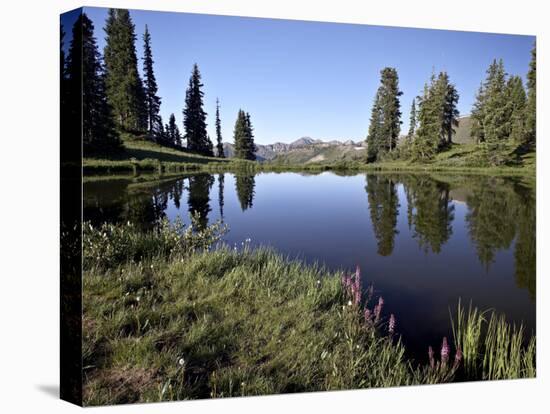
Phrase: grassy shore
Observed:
(168, 317)
(144, 156)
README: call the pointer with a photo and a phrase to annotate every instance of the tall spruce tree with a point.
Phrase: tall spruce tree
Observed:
(478, 111)
(385, 117)
(412, 121)
(125, 90)
(389, 102)
(496, 121)
(243, 137)
(152, 101)
(450, 111)
(172, 132)
(531, 110)
(194, 117)
(477, 132)
(517, 104)
(86, 86)
(427, 138)
(219, 145)
(375, 128)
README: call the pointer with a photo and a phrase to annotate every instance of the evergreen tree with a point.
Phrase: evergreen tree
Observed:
(194, 117)
(427, 139)
(219, 145)
(385, 123)
(86, 87)
(450, 111)
(479, 108)
(152, 101)
(477, 133)
(390, 105)
(243, 137)
(375, 126)
(125, 90)
(172, 132)
(531, 110)
(412, 121)
(517, 103)
(496, 121)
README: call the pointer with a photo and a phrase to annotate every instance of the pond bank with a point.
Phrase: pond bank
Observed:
(171, 319)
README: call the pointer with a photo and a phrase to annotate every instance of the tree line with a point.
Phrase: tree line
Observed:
(116, 100)
(503, 116)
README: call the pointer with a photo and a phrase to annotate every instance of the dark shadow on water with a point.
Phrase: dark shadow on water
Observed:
(51, 390)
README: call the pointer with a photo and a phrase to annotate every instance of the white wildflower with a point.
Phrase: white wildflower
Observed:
(181, 362)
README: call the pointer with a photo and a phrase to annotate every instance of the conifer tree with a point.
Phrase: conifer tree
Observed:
(251, 147)
(390, 105)
(477, 132)
(412, 121)
(531, 109)
(517, 105)
(86, 87)
(243, 137)
(219, 145)
(385, 117)
(373, 137)
(152, 101)
(172, 132)
(478, 112)
(125, 90)
(496, 121)
(427, 138)
(194, 117)
(450, 112)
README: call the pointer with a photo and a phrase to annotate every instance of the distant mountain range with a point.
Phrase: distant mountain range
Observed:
(306, 149)
(303, 146)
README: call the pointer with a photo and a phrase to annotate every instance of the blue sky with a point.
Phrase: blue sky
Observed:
(301, 78)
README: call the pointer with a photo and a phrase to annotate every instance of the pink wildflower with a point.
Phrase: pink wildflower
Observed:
(391, 324)
(444, 351)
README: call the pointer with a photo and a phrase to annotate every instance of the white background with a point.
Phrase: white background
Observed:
(29, 207)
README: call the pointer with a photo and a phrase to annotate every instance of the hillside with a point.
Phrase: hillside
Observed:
(322, 154)
(147, 150)
(462, 133)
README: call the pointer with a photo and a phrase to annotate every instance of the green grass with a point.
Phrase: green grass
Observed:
(166, 318)
(492, 348)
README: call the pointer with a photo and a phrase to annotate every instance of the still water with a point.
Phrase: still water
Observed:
(423, 241)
